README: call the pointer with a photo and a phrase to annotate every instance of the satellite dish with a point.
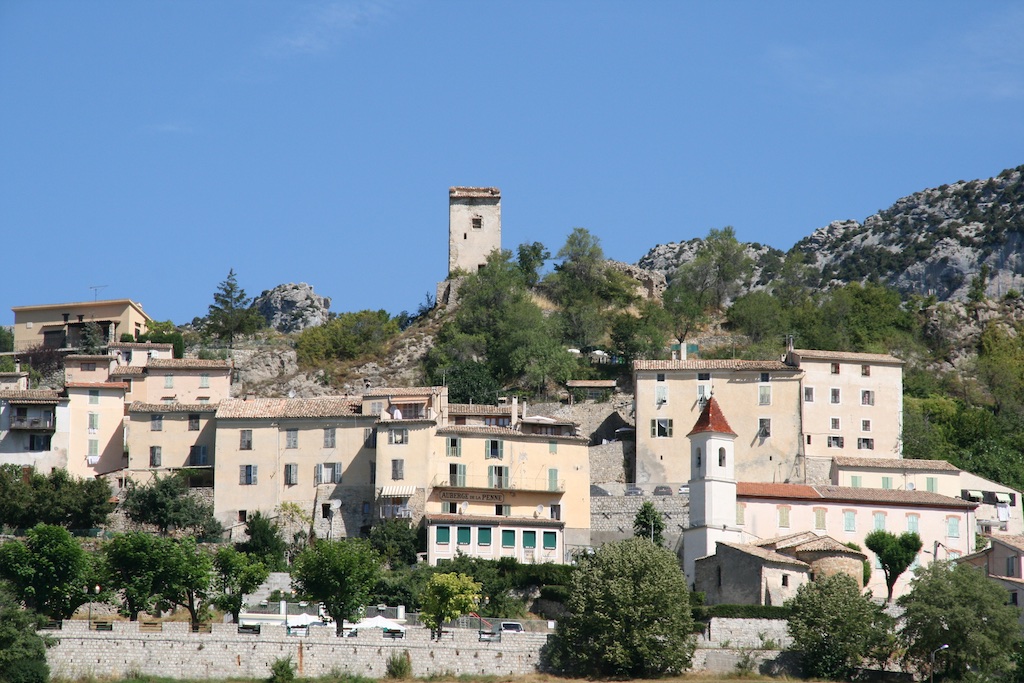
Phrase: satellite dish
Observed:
(463, 507)
(538, 511)
(910, 486)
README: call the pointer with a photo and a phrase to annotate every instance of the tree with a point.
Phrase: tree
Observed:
(93, 338)
(448, 597)
(684, 305)
(468, 381)
(395, 541)
(134, 567)
(649, 523)
(56, 498)
(895, 553)
(339, 574)
(166, 504)
(641, 337)
(531, 258)
(718, 271)
(759, 315)
(185, 578)
(347, 336)
(265, 542)
(957, 605)
(230, 313)
(47, 571)
(235, 574)
(628, 615)
(835, 627)
(22, 649)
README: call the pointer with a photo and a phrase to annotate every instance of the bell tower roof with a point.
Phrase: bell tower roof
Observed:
(712, 420)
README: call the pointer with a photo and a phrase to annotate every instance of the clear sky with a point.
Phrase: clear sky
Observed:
(149, 147)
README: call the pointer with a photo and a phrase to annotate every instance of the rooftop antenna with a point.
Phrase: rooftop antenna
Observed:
(96, 291)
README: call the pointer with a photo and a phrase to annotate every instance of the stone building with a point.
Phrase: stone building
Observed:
(474, 226)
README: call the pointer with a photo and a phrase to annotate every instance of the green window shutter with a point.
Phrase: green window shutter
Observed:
(552, 479)
(550, 541)
(483, 535)
(461, 473)
(529, 539)
(463, 535)
(444, 534)
(508, 538)
(490, 477)
(501, 450)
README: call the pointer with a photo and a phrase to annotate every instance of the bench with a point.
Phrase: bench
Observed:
(251, 629)
(101, 625)
(394, 633)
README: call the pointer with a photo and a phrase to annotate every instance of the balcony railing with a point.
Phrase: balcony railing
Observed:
(395, 512)
(511, 483)
(46, 422)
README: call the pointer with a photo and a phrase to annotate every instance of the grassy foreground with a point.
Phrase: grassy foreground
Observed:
(348, 678)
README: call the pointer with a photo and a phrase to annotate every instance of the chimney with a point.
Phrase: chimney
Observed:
(515, 412)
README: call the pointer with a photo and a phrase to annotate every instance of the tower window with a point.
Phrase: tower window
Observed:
(478, 223)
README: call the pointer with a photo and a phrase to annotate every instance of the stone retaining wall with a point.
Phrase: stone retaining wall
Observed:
(611, 517)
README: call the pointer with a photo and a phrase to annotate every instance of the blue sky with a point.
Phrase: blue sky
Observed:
(152, 146)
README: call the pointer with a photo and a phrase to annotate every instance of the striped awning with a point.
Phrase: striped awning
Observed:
(397, 491)
(1002, 497)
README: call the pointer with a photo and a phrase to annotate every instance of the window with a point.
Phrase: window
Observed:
(247, 475)
(550, 540)
(834, 423)
(444, 535)
(783, 516)
(398, 470)
(660, 377)
(193, 422)
(483, 535)
(819, 519)
(552, 479)
(494, 448)
(764, 427)
(835, 368)
(702, 376)
(1011, 566)
(453, 445)
(155, 453)
(329, 437)
(835, 395)
(457, 475)
(835, 442)
(497, 421)
(328, 473)
(867, 398)
(508, 538)
(376, 407)
(168, 381)
(913, 523)
(866, 444)
(325, 510)
(765, 377)
(243, 516)
(660, 394)
(785, 579)
(849, 520)
(721, 457)
(366, 507)
(741, 514)
(808, 394)
(88, 367)
(398, 436)
(764, 396)
(156, 423)
(245, 440)
(204, 380)
(703, 393)
(463, 535)
(94, 447)
(886, 482)
(502, 510)
(855, 481)
(552, 447)
(94, 422)
(94, 396)
(556, 511)
(697, 456)
(497, 477)
(865, 371)
(450, 508)
(291, 474)
(477, 222)
(529, 539)
(953, 527)
(197, 455)
(879, 521)
(865, 425)
(291, 438)
(39, 442)
(932, 484)
(661, 428)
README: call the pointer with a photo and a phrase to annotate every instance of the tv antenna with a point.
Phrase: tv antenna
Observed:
(96, 291)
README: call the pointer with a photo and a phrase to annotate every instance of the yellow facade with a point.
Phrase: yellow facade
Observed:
(96, 432)
(61, 325)
(165, 438)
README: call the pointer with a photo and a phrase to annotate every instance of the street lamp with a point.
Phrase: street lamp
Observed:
(89, 592)
(931, 671)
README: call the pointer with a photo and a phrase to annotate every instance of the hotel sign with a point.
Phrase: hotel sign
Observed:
(473, 496)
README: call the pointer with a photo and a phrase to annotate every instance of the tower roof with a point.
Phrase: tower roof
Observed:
(712, 420)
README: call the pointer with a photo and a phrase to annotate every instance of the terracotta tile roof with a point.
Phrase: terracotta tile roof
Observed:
(95, 385)
(140, 345)
(187, 364)
(894, 496)
(261, 408)
(765, 554)
(31, 396)
(787, 541)
(434, 518)
(827, 544)
(504, 432)
(711, 420)
(1012, 540)
(591, 383)
(404, 391)
(894, 463)
(140, 407)
(481, 409)
(127, 370)
(700, 365)
(815, 354)
(762, 490)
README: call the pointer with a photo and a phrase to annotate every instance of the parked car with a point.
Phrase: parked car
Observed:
(663, 490)
(511, 627)
(632, 490)
(684, 489)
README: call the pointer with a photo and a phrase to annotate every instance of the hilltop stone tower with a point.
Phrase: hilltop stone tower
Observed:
(474, 226)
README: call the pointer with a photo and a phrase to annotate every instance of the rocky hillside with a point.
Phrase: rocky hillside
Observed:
(933, 242)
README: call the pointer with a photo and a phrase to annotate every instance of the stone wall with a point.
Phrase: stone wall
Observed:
(611, 517)
(608, 461)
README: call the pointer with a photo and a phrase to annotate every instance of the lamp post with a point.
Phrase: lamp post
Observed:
(89, 592)
(931, 671)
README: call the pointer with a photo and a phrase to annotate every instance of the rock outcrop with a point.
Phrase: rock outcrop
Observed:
(292, 307)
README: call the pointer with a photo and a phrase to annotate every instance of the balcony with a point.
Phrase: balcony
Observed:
(42, 423)
(395, 512)
(511, 483)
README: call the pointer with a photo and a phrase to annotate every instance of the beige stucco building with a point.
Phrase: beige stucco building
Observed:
(96, 429)
(61, 325)
(164, 438)
(474, 226)
(34, 427)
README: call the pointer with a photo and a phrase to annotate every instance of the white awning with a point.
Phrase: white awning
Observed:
(1002, 497)
(975, 495)
(397, 491)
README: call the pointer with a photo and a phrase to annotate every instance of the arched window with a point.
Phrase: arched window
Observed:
(721, 457)
(698, 457)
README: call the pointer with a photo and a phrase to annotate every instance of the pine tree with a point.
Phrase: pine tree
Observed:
(230, 312)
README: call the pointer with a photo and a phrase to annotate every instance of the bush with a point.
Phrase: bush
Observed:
(399, 665)
(282, 671)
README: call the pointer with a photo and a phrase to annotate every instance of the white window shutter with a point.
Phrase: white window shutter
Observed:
(319, 474)
(254, 475)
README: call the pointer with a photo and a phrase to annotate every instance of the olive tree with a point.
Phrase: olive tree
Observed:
(628, 615)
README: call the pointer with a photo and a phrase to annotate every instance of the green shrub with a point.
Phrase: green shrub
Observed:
(748, 611)
(399, 665)
(282, 671)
